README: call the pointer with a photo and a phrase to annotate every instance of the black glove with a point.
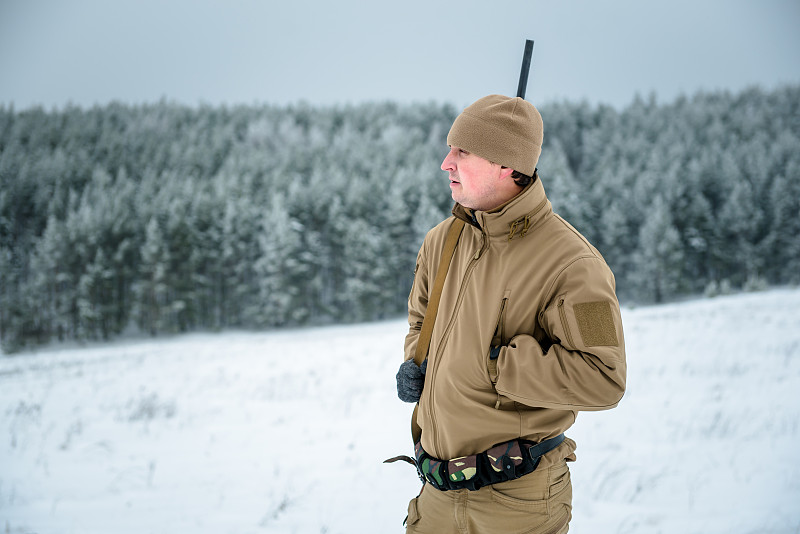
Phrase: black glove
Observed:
(491, 365)
(411, 380)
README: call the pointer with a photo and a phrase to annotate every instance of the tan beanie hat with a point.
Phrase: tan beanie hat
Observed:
(501, 129)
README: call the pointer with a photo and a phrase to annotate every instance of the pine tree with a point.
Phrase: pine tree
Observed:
(740, 220)
(659, 256)
(49, 282)
(279, 247)
(95, 299)
(151, 290)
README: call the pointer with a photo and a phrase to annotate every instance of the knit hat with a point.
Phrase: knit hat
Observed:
(503, 130)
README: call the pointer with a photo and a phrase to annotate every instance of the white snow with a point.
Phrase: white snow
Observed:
(285, 432)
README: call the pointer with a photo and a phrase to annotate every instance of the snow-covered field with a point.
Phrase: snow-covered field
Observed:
(285, 432)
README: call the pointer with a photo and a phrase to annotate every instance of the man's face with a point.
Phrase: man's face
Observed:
(475, 182)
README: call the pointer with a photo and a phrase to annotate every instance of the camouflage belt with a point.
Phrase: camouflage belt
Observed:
(506, 461)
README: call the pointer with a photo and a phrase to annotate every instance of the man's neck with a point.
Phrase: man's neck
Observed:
(503, 204)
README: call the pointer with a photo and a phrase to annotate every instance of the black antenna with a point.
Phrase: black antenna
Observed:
(526, 67)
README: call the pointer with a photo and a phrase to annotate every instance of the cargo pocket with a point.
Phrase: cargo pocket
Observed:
(413, 514)
(560, 505)
(559, 478)
(516, 511)
(545, 498)
(522, 505)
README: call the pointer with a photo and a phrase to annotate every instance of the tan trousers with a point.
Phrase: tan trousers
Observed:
(537, 503)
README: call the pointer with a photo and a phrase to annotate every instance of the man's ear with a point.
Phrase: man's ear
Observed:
(505, 172)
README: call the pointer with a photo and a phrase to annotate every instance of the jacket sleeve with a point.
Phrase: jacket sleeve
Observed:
(584, 368)
(417, 302)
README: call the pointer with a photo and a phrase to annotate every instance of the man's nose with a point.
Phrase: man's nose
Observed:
(447, 164)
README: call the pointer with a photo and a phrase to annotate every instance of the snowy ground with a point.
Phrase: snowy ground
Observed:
(285, 432)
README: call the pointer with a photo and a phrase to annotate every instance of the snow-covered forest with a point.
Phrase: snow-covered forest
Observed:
(162, 218)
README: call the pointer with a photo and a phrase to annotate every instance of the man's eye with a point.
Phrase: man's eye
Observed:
(462, 151)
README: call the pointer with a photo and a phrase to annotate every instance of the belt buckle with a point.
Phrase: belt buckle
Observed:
(420, 474)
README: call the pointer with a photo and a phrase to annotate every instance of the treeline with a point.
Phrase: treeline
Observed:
(165, 218)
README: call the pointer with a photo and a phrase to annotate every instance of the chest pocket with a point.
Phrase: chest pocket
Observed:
(500, 336)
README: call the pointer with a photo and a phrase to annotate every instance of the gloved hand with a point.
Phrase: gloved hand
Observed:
(411, 380)
(491, 365)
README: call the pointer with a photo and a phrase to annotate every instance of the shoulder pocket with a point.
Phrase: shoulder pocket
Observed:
(556, 322)
(582, 325)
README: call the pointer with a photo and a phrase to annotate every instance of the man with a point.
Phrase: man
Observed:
(528, 333)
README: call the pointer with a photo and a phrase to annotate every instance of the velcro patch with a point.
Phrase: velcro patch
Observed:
(596, 323)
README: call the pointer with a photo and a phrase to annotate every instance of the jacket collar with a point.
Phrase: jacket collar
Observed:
(513, 219)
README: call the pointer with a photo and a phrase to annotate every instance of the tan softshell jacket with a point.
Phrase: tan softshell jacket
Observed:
(524, 279)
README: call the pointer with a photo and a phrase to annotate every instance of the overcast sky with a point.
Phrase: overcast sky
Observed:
(349, 51)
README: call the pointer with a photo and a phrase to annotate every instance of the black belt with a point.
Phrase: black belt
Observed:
(506, 461)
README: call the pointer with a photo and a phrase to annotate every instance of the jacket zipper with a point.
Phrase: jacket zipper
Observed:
(564, 322)
(499, 327)
(446, 334)
(499, 339)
